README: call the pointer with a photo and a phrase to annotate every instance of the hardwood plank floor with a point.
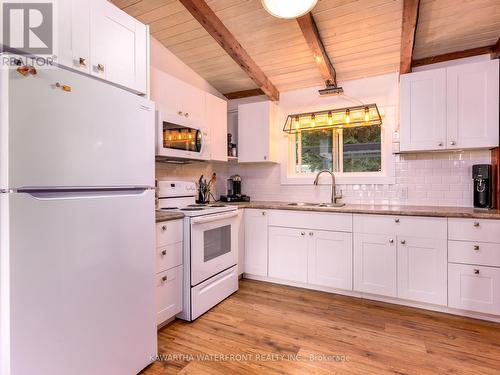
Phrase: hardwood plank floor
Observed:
(272, 329)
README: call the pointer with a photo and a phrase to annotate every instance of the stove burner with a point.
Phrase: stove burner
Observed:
(192, 209)
(217, 205)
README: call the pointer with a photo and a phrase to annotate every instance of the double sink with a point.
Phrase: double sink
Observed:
(322, 205)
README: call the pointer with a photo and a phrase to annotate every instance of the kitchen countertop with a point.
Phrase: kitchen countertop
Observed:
(167, 216)
(401, 210)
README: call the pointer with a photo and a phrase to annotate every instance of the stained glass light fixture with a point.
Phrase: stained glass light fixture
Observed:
(288, 8)
(350, 117)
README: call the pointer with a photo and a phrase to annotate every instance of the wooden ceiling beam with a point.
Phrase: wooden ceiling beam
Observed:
(244, 94)
(313, 39)
(200, 10)
(495, 50)
(454, 56)
(410, 20)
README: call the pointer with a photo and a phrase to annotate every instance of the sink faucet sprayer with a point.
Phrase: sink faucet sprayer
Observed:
(334, 188)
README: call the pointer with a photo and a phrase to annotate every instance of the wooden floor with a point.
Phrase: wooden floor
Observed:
(271, 329)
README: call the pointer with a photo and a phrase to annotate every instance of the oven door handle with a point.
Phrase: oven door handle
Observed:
(208, 219)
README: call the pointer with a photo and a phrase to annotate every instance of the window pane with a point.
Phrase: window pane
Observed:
(317, 146)
(362, 150)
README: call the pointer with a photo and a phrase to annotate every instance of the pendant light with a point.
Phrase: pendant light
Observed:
(288, 9)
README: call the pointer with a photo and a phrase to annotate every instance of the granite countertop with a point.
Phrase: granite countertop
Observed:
(167, 216)
(434, 211)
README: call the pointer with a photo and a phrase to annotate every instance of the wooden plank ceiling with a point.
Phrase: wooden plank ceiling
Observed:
(361, 37)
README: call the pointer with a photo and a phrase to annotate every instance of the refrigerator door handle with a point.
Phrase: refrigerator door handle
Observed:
(77, 194)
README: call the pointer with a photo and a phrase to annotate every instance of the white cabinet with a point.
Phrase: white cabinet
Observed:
(257, 132)
(216, 114)
(256, 242)
(375, 264)
(330, 259)
(474, 288)
(178, 98)
(472, 105)
(422, 268)
(288, 254)
(74, 34)
(118, 46)
(423, 110)
(450, 108)
(169, 273)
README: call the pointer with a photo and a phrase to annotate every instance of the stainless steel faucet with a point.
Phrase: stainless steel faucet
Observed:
(334, 186)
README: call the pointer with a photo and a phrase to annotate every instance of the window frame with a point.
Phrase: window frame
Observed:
(385, 176)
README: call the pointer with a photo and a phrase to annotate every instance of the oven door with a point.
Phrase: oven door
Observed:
(213, 245)
(179, 137)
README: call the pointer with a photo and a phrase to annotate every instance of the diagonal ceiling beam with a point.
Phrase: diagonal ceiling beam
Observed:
(495, 50)
(410, 19)
(313, 39)
(244, 94)
(214, 26)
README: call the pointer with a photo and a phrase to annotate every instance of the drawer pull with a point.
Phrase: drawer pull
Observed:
(82, 61)
(163, 253)
(476, 224)
(311, 233)
(476, 272)
(476, 247)
(391, 241)
(164, 228)
(403, 242)
(164, 279)
(302, 233)
(396, 220)
(263, 213)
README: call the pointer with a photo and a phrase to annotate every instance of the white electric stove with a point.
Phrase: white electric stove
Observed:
(210, 247)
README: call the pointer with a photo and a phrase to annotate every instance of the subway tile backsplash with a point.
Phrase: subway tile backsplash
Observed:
(435, 179)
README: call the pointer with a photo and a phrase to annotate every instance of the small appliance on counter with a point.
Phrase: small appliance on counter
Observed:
(483, 185)
(234, 191)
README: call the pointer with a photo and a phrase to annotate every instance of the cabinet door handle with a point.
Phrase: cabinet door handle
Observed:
(403, 242)
(82, 61)
(396, 220)
(476, 247)
(100, 67)
(311, 233)
(179, 113)
(164, 228)
(391, 240)
(186, 114)
(302, 233)
(164, 252)
(453, 143)
(476, 272)
(164, 279)
(440, 144)
(263, 213)
(476, 224)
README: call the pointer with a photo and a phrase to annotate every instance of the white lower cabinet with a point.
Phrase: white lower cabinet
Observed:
(256, 242)
(422, 267)
(288, 254)
(474, 288)
(330, 259)
(375, 264)
(168, 294)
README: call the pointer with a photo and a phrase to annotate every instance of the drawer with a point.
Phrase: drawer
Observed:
(168, 257)
(394, 225)
(168, 232)
(168, 294)
(339, 222)
(474, 230)
(481, 253)
(474, 288)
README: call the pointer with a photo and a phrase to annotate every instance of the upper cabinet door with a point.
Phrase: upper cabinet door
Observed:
(118, 46)
(74, 36)
(216, 110)
(423, 111)
(472, 104)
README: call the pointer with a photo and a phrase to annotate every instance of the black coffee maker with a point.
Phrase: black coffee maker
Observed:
(234, 191)
(483, 185)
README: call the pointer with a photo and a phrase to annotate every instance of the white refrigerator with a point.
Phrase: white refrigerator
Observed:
(77, 253)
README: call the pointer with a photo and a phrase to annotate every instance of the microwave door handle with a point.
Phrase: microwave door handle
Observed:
(208, 219)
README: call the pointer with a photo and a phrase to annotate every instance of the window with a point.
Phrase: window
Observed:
(356, 149)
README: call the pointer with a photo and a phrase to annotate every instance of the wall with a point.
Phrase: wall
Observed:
(443, 179)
